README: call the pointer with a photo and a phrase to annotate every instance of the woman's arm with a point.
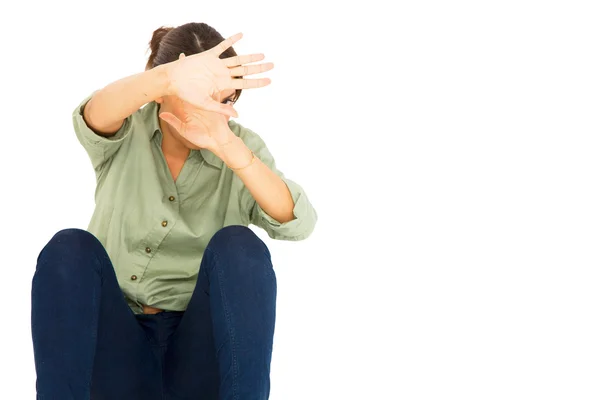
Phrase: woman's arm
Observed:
(271, 201)
(108, 107)
(268, 189)
(194, 79)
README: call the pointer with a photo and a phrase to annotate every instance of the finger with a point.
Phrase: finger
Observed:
(212, 105)
(241, 60)
(173, 121)
(225, 44)
(249, 83)
(181, 56)
(251, 69)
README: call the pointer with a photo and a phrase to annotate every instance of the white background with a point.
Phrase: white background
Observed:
(450, 148)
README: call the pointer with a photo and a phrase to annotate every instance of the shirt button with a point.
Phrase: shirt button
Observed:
(164, 223)
(148, 249)
(133, 277)
(171, 198)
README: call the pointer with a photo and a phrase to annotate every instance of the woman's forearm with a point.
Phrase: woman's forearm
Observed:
(109, 106)
(268, 189)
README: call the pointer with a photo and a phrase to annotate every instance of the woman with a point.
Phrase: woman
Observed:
(169, 295)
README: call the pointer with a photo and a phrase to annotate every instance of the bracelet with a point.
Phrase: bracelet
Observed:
(251, 162)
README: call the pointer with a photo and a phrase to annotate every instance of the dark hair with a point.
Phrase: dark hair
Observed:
(191, 38)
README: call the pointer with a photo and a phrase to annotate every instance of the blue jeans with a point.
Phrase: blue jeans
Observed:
(88, 343)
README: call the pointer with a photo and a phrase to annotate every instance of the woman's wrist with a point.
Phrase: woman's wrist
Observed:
(234, 153)
(162, 78)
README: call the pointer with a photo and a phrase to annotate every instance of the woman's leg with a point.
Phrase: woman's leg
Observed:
(87, 342)
(222, 346)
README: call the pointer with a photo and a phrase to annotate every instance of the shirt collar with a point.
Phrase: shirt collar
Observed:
(156, 133)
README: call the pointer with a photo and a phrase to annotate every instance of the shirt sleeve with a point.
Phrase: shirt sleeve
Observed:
(99, 148)
(305, 216)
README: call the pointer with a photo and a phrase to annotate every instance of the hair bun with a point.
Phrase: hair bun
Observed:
(154, 43)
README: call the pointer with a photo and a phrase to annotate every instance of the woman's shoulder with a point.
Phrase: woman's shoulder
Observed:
(240, 130)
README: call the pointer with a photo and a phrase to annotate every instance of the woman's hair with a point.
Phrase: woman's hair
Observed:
(191, 38)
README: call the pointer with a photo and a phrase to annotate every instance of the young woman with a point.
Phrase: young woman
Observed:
(168, 294)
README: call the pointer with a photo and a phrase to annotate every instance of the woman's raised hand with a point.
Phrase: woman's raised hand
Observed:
(199, 78)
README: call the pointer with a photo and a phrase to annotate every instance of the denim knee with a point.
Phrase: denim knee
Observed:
(69, 250)
(237, 240)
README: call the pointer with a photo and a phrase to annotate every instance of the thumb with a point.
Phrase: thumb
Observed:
(173, 121)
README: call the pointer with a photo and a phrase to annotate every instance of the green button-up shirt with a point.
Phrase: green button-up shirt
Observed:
(155, 229)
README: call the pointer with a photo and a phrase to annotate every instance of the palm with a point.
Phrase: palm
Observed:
(201, 129)
(197, 79)
(199, 84)
(204, 129)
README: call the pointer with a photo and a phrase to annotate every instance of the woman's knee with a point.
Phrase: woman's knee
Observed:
(238, 240)
(237, 256)
(68, 249)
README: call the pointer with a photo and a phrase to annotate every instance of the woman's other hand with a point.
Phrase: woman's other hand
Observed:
(202, 128)
(209, 130)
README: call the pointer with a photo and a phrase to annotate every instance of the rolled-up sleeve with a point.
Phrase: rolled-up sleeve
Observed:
(99, 148)
(305, 216)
